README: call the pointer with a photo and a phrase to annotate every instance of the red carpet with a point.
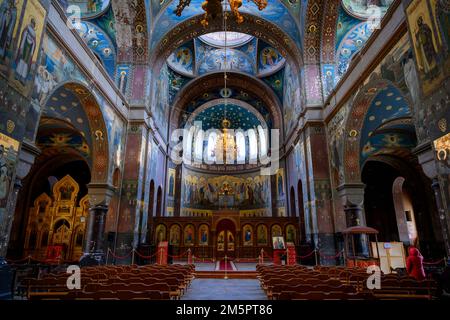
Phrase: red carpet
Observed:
(222, 266)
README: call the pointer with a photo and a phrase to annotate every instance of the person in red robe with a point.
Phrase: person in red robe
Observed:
(414, 264)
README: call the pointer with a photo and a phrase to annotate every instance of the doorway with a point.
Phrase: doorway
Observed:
(226, 239)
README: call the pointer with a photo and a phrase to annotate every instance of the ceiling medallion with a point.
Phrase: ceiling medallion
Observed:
(214, 8)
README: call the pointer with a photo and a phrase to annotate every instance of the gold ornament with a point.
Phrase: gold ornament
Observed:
(10, 126)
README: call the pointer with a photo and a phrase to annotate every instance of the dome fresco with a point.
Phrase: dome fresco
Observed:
(269, 59)
(183, 60)
(88, 8)
(229, 59)
(249, 55)
(275, 12)
(365, 9)
(239, 117)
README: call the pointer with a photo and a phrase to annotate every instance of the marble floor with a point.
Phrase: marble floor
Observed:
(221, 289)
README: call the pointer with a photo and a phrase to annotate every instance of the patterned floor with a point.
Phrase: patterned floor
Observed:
(221, 289)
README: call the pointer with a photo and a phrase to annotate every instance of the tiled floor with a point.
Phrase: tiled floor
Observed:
(221, 289)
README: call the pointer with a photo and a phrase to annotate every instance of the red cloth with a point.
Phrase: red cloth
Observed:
(414, 264)
(228, 266)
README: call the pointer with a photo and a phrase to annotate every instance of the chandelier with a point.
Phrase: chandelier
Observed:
(214, 8)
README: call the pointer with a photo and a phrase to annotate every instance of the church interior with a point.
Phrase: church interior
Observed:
(283, 148)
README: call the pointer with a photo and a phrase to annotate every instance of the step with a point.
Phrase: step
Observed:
(230, 274)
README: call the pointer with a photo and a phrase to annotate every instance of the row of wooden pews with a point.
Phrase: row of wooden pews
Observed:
(130, 282)
(337, 283)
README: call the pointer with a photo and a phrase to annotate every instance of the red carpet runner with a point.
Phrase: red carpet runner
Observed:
(222, 266)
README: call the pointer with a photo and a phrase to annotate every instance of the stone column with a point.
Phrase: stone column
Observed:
(6, 224)
(438, 171)
(27, 155)
(442, 214)
(96, 228)
(352, 196)
(99, 197)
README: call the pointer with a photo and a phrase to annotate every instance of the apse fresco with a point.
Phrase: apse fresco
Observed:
(231, 192)
(88, 8)
(291, 101)
(275, 12)
(365, 9)
(99, 42)
(269, 59)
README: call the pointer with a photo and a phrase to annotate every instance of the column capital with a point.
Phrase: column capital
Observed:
(352, 194)
(28, 153)
(100, 194)
(427, 159)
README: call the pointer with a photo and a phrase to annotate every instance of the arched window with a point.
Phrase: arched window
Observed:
(198, 145)
(262, 142)
(240, 145)
(253, 145)
(187, 145)
(211, 148)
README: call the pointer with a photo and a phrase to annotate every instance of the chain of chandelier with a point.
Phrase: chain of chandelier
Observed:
(215, 8)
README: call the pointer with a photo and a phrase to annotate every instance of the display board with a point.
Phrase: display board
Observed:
(392, 255)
